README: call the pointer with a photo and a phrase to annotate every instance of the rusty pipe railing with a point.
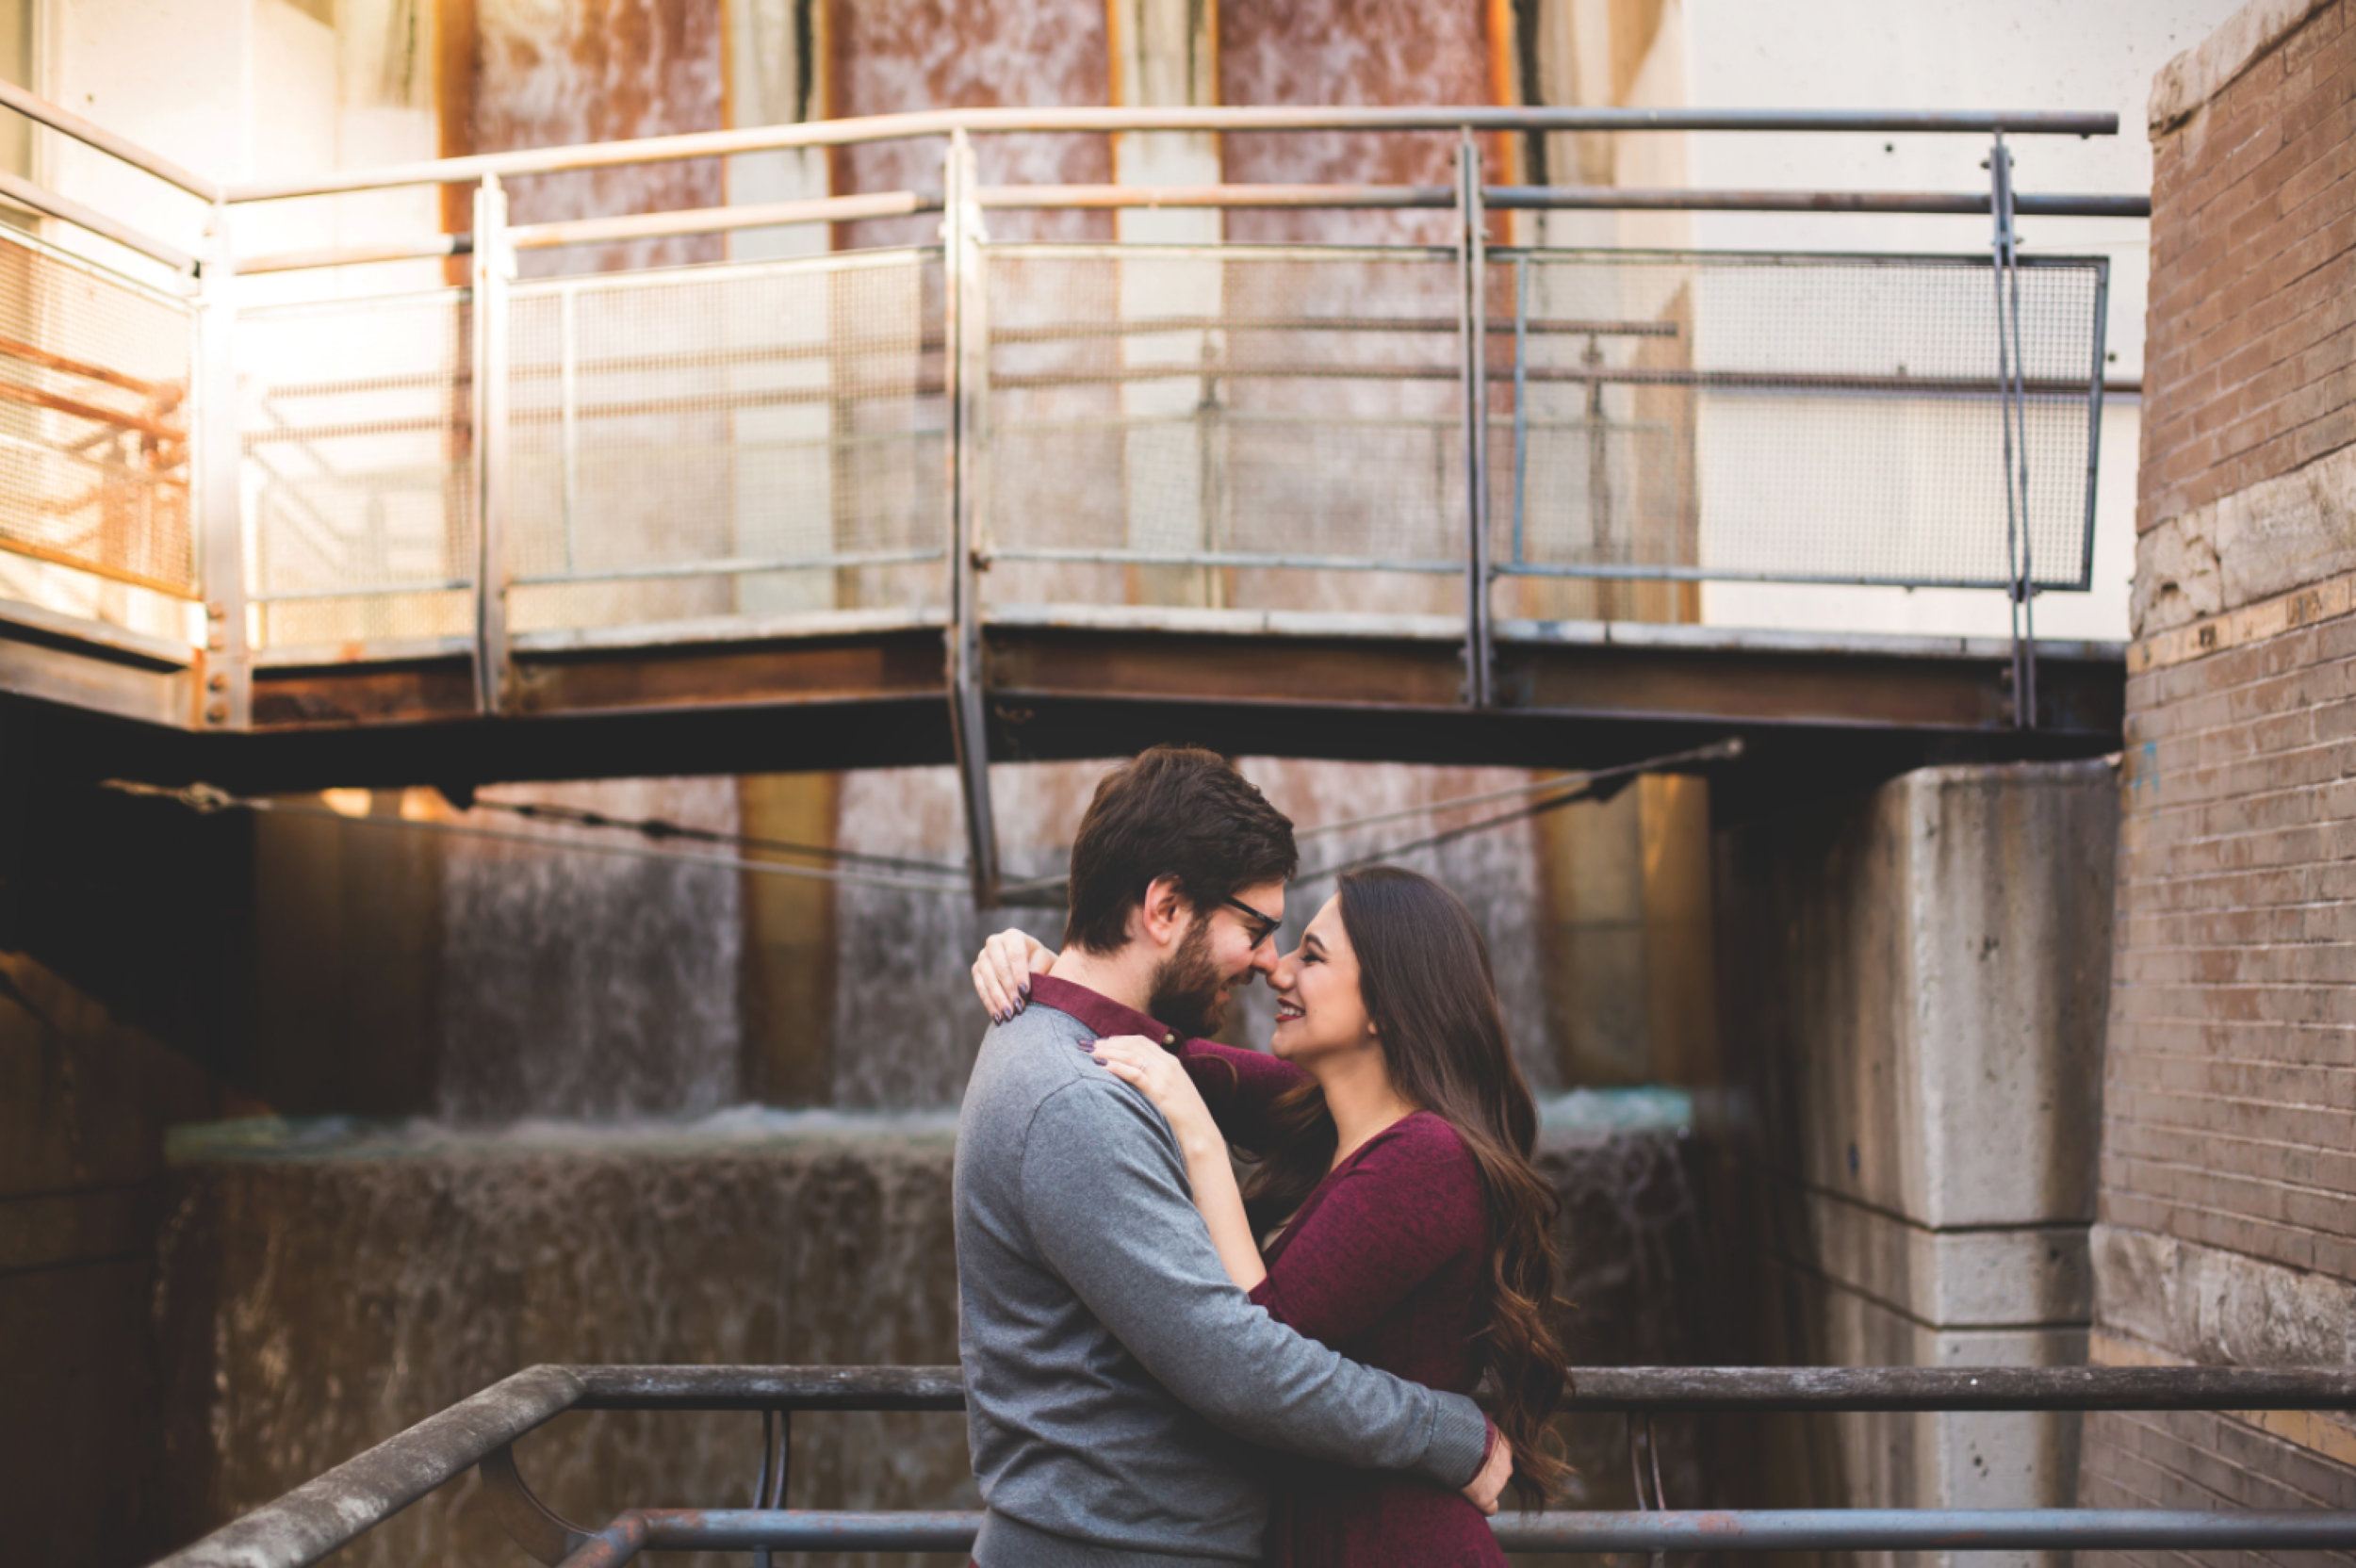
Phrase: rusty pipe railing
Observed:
(323, 1514)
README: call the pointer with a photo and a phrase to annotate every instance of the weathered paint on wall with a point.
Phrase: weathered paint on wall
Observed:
(893, 55)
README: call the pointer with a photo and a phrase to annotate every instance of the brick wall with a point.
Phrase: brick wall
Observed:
(2247, 355)
(2227, 1210)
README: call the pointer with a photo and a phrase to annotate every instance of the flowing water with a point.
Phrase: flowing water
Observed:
(590, 988)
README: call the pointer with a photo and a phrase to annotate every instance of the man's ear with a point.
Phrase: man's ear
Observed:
(1162, 919)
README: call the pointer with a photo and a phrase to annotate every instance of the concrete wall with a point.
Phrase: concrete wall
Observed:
(2227, 1233)
(100, 897)
(1916, 978)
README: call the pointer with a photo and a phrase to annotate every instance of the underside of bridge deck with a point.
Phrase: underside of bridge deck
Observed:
(1063, 686)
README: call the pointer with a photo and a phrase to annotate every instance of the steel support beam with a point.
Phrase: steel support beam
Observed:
(493, 270)
(2013, 413)
(967, 332)
(1472, 262)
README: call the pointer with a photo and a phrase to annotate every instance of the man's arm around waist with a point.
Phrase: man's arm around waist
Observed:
(1105, 1200)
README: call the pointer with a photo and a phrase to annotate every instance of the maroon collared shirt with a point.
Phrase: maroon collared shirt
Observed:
(1098, 1011)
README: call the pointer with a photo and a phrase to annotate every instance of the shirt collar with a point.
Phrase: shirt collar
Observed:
(1098, 1011)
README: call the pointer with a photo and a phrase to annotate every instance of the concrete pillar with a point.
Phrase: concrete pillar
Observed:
(1165, 55)
(1629, 970)
(787, 971)
(1917, 977)
(773, 53)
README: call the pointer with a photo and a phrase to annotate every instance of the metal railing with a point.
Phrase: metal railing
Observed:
(326, 1514)
(1446, 412)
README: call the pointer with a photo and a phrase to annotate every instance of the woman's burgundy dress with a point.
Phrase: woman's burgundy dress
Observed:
(1384, 1263)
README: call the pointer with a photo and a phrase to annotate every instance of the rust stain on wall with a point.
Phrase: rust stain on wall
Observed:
(890, 56)
(519, 74)
(1317, 52)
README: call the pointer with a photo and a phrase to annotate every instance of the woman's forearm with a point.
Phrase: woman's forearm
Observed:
(1215, 1195)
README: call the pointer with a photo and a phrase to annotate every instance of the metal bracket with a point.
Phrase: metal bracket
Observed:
(1472, 320)
(966, 374)
(2012, 405)
(777, 1450)
(536, 1527)
(493, 269)
(1637, 1454)
(225, 700)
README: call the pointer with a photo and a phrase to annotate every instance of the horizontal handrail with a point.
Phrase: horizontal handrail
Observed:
(902, 204)
(1932, 203)
(1595, 1389)
(327, 1512)
(771, 1387)
(994, 121)
(1735, 1530)
(91, 133)
(661, 225)
(320, 1516)
(23, 191)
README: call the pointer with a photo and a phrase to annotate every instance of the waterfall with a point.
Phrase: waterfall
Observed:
(587, 987)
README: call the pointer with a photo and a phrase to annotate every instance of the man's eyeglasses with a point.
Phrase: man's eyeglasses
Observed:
(1261, 927)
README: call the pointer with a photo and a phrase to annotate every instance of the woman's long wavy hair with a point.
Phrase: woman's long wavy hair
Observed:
(1425, 977)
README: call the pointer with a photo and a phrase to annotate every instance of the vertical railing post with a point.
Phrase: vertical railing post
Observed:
(1521, 410)
(967, 376)
(226, 701)
(2012, 410)
(493, 269)
(568, 415)
(1472, 260)
(2094, 415)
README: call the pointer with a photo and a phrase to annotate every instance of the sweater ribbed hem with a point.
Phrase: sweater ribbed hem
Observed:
(1006, 1542)
(1459, 1446)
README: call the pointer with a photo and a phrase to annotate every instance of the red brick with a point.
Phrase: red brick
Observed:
(2229, 1077)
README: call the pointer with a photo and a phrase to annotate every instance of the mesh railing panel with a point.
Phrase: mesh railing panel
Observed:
(1816, 419)
(726, 440)
(1812, 418)
(357, 476)
(94, 421)
(1182, 408)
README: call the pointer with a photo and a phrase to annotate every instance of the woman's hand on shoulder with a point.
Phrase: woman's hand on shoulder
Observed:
(1163, 1079)
(1001, 974)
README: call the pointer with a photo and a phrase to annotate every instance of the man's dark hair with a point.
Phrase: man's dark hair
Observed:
(1175, 811)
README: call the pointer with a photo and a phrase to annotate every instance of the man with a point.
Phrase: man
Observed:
(1115, 1378)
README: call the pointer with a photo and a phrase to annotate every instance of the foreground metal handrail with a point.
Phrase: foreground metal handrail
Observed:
(1716, 1531)
(338, 1507)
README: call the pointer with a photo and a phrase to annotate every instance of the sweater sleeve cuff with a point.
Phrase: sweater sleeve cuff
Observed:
(1460, 1443)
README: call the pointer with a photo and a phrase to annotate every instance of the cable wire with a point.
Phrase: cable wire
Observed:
(206, 799)
(1600, 783)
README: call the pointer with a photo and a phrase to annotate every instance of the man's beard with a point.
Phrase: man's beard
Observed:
(1185, 992)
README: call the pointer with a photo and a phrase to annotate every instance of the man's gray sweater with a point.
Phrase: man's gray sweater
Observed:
(1115, 1376)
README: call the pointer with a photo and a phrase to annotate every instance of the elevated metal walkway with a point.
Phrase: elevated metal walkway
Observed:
(1395, 474)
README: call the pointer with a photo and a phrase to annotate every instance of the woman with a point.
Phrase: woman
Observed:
(1404, 1224)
